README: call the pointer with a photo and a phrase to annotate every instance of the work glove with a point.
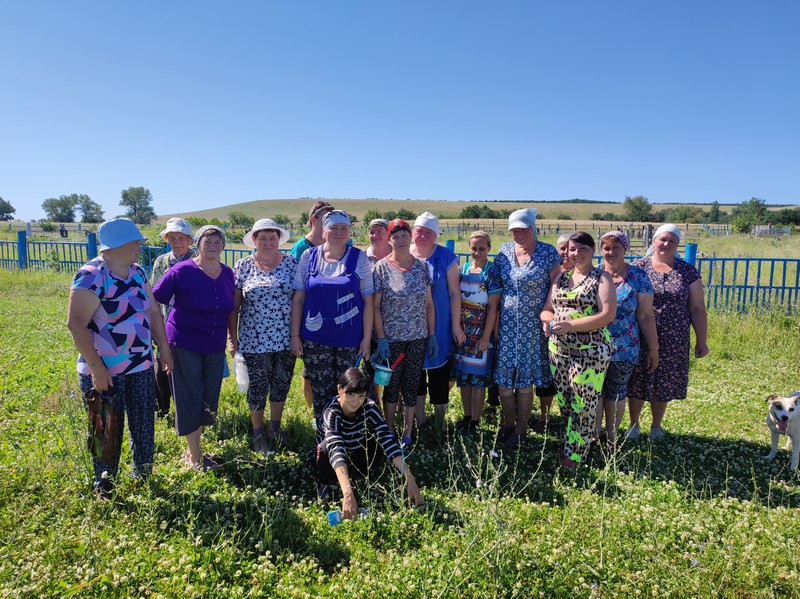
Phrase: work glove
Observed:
(432, 347)
(384, 353)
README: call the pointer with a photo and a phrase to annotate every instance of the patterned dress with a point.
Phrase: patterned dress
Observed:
(474, 368)
(671, 307)
(521, 360)
(578, 361)
(404, 300)
(264, 330)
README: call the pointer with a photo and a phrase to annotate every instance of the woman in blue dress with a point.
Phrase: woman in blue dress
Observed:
(527, 267)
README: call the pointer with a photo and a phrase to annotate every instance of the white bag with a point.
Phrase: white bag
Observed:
(242, 377)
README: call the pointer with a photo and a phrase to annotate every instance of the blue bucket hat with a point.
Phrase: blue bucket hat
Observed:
(117, 232)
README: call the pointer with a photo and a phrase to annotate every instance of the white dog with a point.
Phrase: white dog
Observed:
(784, 419)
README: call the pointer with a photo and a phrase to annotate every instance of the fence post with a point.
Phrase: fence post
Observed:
(450, 244)
(22, 250)
(91, 245)
(691, 254)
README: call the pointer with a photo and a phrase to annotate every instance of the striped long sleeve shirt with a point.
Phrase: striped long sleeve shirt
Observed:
(343, 434)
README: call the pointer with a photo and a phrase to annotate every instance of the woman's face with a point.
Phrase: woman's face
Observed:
(337, 235)
(378, 235)
(665, 244)
(179, 243)
(317, 218)
(351, 402)
(211, 246)
(479, 249)
(580, 254)
(267, 241)
(613, 251)
(522, 236)
(562, 250)
(127, 253)
(423, 237)
(400, 240)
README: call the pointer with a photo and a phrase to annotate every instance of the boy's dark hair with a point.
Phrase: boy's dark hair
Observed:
(353, 380)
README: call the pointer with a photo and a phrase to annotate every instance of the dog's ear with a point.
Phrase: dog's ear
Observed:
(772, 396)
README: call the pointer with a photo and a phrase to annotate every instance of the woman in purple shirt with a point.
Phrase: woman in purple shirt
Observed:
(201, 290)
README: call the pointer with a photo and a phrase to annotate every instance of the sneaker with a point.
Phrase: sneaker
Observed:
(633, 433)
(568, 463)
(260, 444)
(656, 434)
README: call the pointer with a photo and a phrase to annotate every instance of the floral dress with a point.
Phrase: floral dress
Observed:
(521, 359)
(578, 361)
(671, 307)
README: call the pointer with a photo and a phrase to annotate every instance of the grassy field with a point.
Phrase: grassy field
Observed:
(700, 514)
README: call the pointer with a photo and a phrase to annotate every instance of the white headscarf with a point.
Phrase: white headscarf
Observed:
(669, 228)
(665, 228)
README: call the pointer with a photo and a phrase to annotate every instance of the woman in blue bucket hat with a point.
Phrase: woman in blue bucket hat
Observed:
(113, 317)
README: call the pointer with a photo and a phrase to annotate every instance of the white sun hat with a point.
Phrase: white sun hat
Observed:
(176, 225)
(264, 224)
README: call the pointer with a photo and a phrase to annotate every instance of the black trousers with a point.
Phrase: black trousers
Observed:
(364, 462)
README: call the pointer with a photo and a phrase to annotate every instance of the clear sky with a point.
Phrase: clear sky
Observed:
(212, 103)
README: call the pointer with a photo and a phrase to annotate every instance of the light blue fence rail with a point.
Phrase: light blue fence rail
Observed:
(730, 283)
(744, 283)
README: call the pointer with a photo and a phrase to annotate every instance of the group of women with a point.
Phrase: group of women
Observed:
(537, 320)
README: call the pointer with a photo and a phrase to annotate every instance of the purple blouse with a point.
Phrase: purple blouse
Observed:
(199, 317)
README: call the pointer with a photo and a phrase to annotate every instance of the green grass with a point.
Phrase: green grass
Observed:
(698, 515)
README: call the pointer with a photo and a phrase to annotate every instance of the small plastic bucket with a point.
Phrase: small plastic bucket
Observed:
(383, 374)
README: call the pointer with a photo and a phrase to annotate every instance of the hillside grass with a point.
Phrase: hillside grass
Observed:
(294, 207)
(700, 514)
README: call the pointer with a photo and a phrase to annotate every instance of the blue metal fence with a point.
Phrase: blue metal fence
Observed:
(730, 283)
(745, 283)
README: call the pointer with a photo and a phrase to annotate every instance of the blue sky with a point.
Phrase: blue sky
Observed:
(213, 103)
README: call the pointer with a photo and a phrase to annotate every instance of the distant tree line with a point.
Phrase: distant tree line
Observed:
(403, 213)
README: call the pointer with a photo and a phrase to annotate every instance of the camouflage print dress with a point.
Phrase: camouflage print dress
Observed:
(578, 361)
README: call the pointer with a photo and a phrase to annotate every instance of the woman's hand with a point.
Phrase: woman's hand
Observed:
(701, 350)
(458, 336)
(546, 327)
(165, 357)
(101, 377)
(483, 343)
(652, 359)
(414, 496)
(233, 346)
(561, 327)
(365, 348)
(349, 505)
(296, 345)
